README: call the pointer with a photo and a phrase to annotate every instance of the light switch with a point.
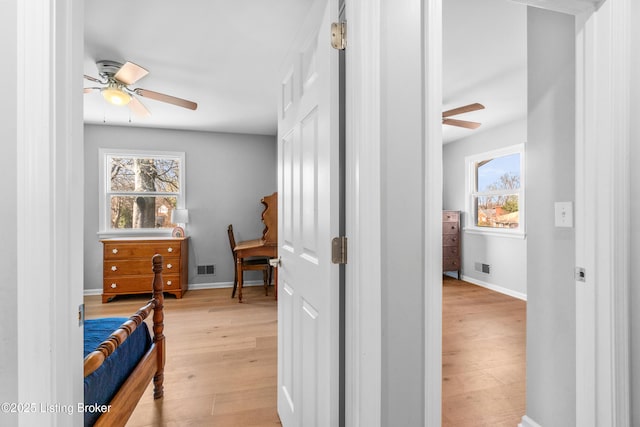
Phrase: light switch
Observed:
(564, 214)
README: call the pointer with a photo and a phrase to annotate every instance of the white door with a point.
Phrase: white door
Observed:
(308, 185)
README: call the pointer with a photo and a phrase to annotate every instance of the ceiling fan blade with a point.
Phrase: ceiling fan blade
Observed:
(166, 98)
(93, 79)
(138, 108)
(461, 123)
(130, 73)
(464, 109)
(90, 89)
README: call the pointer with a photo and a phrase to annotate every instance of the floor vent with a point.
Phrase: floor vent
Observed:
(206, 270)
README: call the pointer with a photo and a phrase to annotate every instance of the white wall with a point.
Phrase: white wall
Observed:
(551, 329)
(8, 175)
(507, 256)
(402, 215)
(226, 176)
(635, 208)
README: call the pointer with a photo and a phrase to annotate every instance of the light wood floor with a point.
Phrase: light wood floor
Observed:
(221, 358)
(483, 357)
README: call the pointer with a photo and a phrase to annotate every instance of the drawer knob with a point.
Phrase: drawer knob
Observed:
(114, 268)
(169, 265)
(168, 282)
(113, 286)
(115, 250)
(170, 250)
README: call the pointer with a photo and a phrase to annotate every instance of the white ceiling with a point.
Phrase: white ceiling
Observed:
(485, 61)
(222, 54)
(225, 56)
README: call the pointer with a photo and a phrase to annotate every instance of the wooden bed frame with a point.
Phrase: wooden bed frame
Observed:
(151, 366)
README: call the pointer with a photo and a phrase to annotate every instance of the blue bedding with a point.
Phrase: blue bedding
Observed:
(102, 385)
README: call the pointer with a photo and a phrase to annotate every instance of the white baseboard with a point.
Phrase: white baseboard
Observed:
(495, 288)
(192, 286)
(528, 422)
(215, 285)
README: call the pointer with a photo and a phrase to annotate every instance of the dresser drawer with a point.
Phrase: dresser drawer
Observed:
(126, 267)
(450, 216)
(450, 264)
(450, 228)
(450, 240)
(450, 252)
(139, 283)
(128, 250)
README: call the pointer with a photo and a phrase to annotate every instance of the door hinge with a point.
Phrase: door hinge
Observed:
(81, 315)
(339, 35)
(339, 250)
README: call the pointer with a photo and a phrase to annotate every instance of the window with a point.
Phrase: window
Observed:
(495, 191)
(139, 190)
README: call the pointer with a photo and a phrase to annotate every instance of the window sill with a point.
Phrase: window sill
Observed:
(496, 232)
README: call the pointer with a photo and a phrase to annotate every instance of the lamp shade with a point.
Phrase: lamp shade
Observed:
(180, 216)
(115, 95)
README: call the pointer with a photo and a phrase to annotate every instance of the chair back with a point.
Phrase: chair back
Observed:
(270, 218)
(232, 240)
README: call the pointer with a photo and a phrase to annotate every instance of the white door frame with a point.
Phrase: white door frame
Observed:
(602, 191)
(50, 208)
(363, 301)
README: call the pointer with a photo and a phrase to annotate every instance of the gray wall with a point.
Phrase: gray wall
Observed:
(551, 351)
(226, 176)
(402, 215)
(8, 172)
(635, 208)
(507, 256)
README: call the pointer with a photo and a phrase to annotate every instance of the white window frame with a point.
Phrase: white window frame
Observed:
(470, 192)
(104, 154)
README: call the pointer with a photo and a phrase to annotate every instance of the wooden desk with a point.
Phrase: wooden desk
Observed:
(256, 247)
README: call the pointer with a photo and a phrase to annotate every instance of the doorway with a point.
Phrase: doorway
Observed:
(485, 62)
(609, 22)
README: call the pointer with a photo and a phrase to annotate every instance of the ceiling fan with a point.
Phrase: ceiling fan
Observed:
(116, 78)
(461, 110)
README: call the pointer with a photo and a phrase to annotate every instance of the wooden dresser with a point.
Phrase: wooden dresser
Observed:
(127, 265)
(451, 241)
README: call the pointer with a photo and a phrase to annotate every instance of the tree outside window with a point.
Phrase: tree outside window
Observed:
(142, 189)
(496, 189)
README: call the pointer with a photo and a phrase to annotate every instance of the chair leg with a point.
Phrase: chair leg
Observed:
(265, 279)
(235, 282)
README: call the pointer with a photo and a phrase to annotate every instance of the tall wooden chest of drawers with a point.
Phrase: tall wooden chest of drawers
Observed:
(127, 265)
(451, 259)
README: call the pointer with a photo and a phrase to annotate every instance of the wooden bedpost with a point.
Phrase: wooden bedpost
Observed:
(158, 326)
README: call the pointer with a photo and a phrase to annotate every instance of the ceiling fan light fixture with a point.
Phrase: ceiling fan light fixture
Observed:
(115, 95)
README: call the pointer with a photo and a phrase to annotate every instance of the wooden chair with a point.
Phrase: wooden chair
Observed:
(251, 263)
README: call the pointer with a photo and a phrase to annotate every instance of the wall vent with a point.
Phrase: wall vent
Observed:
(483, 268)
(206, 270)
